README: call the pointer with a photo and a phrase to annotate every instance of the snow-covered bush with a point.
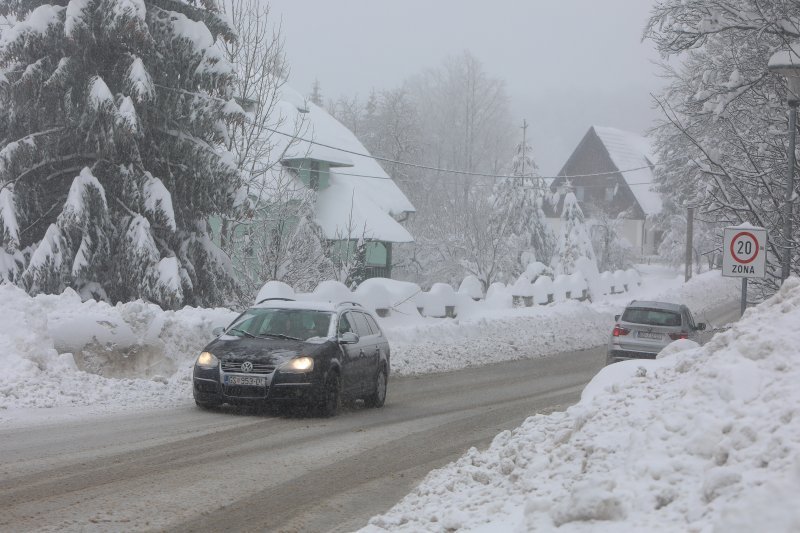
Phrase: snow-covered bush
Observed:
(332, 291)
(522, 292)
(561, 288)
(620, 281)
(633, 278)
(578, 287)
(472, 287)
(536, 269)
(543, 290)
(499, 296)
(441, 301)
(275, 289)
(374, 295)
(608, 284)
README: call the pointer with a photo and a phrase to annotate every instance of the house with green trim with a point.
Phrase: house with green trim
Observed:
(355, 199)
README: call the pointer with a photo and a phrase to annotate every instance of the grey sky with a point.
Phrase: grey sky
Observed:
(568, 64)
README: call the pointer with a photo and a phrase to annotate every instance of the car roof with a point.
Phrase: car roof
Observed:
(308, 305)
(293, 304)
(667, 306)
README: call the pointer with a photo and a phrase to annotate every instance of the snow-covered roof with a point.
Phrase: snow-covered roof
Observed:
(627, 151)
(356, 180)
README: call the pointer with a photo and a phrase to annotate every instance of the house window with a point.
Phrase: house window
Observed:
(579, 193)
(314, 179)
(609, 194)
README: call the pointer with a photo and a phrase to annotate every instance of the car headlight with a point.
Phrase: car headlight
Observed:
(207, 360)
(298, 365)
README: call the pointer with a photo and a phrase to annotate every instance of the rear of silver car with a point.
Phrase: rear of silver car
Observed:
(645, 328)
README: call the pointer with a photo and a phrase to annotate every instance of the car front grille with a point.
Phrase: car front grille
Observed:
(245, 391)
(258, 368)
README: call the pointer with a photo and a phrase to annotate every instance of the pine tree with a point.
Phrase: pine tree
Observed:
(316, 94)
(574, 242)
(112, 113)
(524, 195)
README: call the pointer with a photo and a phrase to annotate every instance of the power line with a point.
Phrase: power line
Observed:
(451, 171)
(340, 173)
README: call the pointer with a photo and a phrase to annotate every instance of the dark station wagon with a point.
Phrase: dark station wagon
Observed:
(283, 352)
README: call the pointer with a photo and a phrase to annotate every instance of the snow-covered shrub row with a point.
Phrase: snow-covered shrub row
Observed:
(701, 439)
(533, 287)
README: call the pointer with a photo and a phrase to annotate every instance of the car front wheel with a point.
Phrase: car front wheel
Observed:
(378, 397)
(329, 402)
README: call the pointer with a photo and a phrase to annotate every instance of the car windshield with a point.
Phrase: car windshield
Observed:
(300, 324)
(651, 317)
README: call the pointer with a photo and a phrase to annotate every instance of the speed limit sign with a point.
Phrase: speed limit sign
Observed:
(744, 252)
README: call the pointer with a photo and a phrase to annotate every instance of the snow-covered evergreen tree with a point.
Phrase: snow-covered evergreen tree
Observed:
(112, 113)
(316, 94)
(524, 195)
(574, 241)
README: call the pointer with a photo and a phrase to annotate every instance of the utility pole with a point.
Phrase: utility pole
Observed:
(689, 240)
(786, 262)
(524, 143)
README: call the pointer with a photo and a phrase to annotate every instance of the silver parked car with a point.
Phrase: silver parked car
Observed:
(644, 328)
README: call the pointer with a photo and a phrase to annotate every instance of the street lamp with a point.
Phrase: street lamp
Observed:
(787, 64)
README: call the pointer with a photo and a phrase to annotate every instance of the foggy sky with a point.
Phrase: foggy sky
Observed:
(567, 64)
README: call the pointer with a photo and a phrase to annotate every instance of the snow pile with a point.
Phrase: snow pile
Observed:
(57, 351)
(478, 337)
(702, 439)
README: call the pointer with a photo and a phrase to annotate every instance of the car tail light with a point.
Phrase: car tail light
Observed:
(619, 331)
(681, 335)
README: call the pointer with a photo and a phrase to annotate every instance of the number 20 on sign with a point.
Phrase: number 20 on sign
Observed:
(744, 252)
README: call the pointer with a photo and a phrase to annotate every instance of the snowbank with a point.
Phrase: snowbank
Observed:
(56, 351)
(701, 439)
(59, 352)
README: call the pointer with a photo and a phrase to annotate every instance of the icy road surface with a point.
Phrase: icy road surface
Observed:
(185, 469)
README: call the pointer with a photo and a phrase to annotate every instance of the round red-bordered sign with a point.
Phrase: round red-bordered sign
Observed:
(755, 243)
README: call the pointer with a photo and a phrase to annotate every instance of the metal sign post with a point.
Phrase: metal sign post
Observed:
(744, 255)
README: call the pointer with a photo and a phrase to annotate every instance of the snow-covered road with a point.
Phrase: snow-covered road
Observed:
(185, 469)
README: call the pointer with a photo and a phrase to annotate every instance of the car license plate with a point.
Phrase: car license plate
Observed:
(648, 335)
(250, 381)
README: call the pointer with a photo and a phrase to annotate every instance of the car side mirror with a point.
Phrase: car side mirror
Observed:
(701, 326)
(616, 318)
(217, 331)
(348, 338)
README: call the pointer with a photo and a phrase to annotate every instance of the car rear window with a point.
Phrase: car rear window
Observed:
(651, 317)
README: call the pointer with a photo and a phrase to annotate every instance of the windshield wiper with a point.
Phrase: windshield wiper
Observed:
(279, 336)
(247, 333)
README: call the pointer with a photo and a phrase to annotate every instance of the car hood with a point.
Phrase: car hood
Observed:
(269, 351)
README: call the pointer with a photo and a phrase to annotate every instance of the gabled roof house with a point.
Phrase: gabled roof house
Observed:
(355, 198)
(611, 172)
